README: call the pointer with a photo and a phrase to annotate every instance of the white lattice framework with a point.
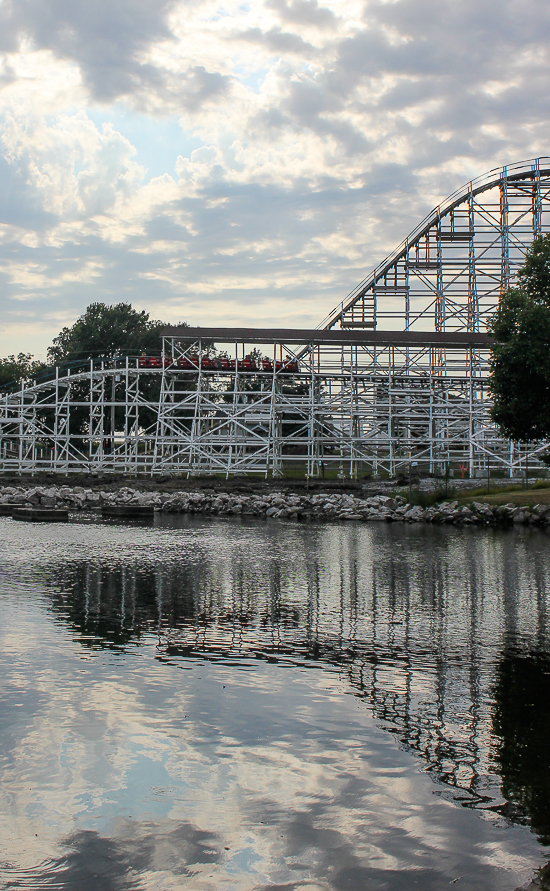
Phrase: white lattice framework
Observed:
(449, 273)
(362, 399)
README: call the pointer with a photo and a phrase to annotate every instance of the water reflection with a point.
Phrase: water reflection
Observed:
(440, 634)
(423, 641)
(522, 728)
(95, 863)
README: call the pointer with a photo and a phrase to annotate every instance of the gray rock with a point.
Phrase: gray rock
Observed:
(34, 496)
(414, 513)
(519, 517)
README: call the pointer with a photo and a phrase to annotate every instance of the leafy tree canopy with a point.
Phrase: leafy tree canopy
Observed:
(534, 278)
(108, 331)
(17, 368)
(520, 362)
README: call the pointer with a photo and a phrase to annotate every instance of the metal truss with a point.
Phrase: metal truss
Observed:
(347, 396)
(89, 419)
(449, 273)
(359, 403)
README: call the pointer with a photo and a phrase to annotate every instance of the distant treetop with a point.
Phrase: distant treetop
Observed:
(17, 368)
(109, 331)
(520, 362)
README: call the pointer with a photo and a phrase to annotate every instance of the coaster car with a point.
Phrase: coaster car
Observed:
(193, 362)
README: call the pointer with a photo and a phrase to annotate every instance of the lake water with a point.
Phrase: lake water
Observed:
(210, 704)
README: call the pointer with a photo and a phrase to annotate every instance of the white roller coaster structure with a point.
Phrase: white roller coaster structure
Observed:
(346, 395)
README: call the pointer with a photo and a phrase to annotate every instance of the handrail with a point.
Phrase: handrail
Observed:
(482, 183)
(47, 375)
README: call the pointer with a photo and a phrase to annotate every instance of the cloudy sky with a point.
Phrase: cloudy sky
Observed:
(219, 161)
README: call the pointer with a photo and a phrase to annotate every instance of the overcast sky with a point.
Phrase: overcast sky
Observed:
(231, 162)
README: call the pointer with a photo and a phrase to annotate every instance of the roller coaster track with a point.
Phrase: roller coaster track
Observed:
(451, 269)
(359, 399)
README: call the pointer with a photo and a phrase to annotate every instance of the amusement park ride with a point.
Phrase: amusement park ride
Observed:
(397, 373)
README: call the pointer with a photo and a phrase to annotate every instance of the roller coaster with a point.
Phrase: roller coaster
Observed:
(349, 397)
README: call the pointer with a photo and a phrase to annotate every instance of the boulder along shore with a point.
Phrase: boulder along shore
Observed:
(280, 505)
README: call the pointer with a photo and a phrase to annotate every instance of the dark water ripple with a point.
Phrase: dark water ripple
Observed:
(217, 704)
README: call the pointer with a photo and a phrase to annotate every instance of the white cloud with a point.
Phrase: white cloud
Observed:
(313, 136)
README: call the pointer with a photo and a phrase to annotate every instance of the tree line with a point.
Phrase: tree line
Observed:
(102, 331)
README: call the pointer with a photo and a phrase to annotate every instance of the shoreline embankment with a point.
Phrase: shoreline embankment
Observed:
(279, 504)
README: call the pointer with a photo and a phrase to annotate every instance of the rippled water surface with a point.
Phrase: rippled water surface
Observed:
(227, 705)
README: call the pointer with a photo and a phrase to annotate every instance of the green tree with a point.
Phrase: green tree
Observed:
(534, 278)
(520, 357)
(107, 331)
(17, 368)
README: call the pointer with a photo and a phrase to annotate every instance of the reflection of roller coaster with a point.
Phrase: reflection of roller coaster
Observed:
(425, 656)
(348, 395)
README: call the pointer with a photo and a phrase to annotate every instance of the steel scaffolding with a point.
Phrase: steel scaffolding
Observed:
(346, 396)
(450, 271)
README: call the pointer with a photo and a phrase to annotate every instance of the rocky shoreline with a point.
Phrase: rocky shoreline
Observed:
(279, 505)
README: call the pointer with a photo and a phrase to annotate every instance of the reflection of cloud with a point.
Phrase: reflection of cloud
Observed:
(330, 128)
(91, 860)
(117, 863)
(239, 772)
